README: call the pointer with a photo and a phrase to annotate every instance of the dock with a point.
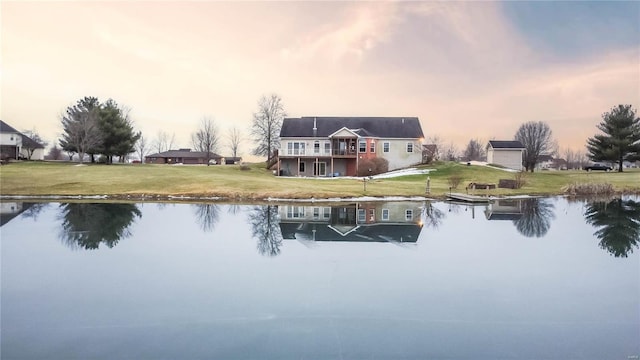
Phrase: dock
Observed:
(469, 198)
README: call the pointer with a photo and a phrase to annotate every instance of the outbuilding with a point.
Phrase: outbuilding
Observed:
(506, 153)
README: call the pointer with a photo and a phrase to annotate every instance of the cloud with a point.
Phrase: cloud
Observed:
(350, 37)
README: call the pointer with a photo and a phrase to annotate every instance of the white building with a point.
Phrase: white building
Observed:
(506, 153)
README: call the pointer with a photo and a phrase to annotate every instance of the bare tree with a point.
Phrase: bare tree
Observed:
(141, 147)
(171, 141)
(536, 138)
(266, 125)
(206, 138)
(31, 146)
(234, 137)
(450, 152)
(160, 144)
(475, 151)
(81, 131)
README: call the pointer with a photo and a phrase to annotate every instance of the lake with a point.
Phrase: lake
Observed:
(544, 278)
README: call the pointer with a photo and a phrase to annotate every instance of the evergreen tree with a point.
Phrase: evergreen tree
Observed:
(621, 139)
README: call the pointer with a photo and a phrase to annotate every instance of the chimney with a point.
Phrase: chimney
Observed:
(315, 127)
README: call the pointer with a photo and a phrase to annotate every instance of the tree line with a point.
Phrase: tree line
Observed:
(91, 127)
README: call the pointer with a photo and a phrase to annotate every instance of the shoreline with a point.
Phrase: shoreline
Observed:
(154, 198)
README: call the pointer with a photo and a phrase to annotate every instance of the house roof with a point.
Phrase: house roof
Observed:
(510, 144)
(6, 128)
(28, 142)
(384, 127)
(378, 232)
(184, 153)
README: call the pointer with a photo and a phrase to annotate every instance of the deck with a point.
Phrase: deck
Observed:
(469, 198)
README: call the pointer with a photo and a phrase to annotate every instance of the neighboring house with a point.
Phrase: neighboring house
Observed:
(429, 153)
(182, 156)
(545, 162)
(559, 164)
(505, 153)
(14, 144)
(10, 142)
(368, 222)
(230, 160)
(334, 146)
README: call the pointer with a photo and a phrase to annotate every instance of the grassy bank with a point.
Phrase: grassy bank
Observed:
(141, 180)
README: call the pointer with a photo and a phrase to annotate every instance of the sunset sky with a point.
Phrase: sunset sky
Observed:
(466, 69)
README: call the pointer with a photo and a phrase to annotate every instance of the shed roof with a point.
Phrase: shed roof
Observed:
(384, 127)
(510, 144)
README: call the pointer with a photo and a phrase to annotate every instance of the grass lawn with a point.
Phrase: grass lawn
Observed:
(229, 181)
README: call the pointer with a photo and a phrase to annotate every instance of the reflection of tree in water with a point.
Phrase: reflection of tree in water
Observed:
(207, 215)
(266, 228)
(86, 225)
(33, 210)
(536, 217)
(618, 223)
(431, 215)
(233, 209)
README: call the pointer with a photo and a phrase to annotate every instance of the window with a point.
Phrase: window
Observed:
(385, 147)
(301, 166)
(326, 212)
(363, 146)
(408, 215)
(385, 214)
(372, 147)
(361, 215)
(316, 147)
(316, 213)
(295, 212)
(327, 147)
(295, 148)
(409, 147)
(372, 215)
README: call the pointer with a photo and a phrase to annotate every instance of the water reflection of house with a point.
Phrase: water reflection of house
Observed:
(9, 210)
(505, 209)
(373, 222)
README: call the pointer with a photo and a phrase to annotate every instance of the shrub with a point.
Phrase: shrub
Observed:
(454, 181)
(589, 189)
(520, 179)
(245, 167)
(376, 165)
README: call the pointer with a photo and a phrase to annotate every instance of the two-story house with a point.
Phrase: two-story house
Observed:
(333, 146)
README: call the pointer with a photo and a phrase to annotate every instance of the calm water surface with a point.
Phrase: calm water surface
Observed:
(531, 279)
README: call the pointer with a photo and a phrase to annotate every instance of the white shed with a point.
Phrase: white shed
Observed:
(505, 153)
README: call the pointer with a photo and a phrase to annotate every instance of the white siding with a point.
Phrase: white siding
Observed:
(38, 154)
(10, 139)
(398, 157)
(508, 158)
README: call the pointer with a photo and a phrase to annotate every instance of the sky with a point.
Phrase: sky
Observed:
(468, 70)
